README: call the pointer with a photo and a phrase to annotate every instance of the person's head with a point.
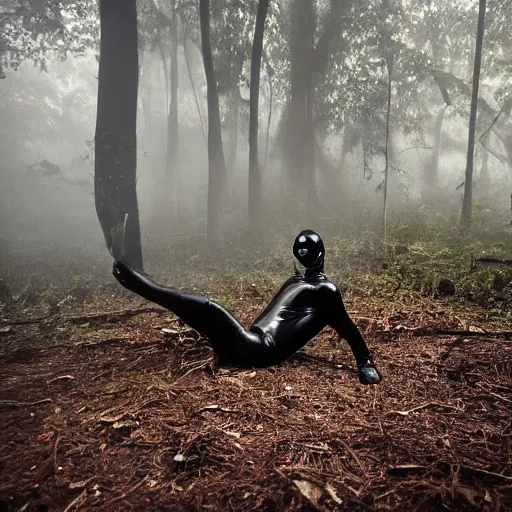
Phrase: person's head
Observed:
(308, 248)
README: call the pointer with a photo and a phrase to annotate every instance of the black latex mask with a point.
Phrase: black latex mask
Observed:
(309, 250)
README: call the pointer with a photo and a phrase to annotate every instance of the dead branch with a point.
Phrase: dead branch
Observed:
(55, 450)
(13, 403)
(108, 315)
(499, 261)
(60, 377)
(128, 491)
(106, 341)
(493, 394)
(490, 473)
(424, 406)
(431, 331)
(81, 497)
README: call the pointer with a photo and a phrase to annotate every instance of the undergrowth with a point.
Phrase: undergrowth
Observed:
(420, 252)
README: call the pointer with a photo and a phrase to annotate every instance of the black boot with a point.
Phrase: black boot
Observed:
(368, 374)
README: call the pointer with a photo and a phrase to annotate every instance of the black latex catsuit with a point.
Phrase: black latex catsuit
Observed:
(298, 312)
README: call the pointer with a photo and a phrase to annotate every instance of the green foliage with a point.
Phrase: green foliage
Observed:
(35, 30)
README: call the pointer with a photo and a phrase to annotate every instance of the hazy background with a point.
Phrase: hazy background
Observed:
(48, 223)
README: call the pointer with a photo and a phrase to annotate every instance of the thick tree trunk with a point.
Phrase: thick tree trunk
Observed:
(116, 123)
(301, 147)
(468, 185)
(254, 168)
(216, 162)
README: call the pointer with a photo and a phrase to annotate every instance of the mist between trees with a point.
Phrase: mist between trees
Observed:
(203, 120)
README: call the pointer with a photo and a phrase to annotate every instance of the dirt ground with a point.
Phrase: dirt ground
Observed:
(108, 413)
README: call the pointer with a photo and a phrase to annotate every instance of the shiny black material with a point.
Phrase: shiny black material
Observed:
(303, 306)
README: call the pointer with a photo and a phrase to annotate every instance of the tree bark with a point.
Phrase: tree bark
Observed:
(432, 170)
(173, 119)
(484, 181)
(115, 166)
(468, 185)
(192, 84)
(389, 66)
(301, 149)
(216, 162)
(254, 168)
(234, 125)
(269, 117)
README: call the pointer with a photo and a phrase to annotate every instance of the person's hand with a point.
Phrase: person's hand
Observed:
(367, 372)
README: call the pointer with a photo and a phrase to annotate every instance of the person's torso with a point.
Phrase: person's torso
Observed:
(296, 314)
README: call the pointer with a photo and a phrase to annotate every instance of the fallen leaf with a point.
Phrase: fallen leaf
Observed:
(310, 491)
(45, 437)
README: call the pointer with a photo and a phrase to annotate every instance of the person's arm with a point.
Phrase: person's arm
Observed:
(341, 322)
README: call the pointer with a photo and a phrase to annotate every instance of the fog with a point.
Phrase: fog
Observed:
(47, 208)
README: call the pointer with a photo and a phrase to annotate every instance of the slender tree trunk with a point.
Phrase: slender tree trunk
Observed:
(254, 168)
(269, 118)
(468, 185)
(216, 162)
(173, 156)
(166, 77)
(234, 125)
(431, 172)
(484, 178)
(115, 173)
(192, 84)
(389, 65)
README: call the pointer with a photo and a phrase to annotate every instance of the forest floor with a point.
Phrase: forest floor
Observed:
(107, 412)
(100, 409)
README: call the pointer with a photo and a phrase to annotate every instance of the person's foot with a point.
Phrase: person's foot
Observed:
(368, 374)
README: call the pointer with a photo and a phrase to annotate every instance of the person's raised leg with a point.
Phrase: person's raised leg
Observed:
(229, 339)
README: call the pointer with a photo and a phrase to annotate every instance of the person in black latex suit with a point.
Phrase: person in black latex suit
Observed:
(303, 306)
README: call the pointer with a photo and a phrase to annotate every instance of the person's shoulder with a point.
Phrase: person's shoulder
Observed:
(330, 287)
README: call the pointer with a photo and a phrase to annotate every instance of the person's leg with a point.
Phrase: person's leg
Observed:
(229, 339)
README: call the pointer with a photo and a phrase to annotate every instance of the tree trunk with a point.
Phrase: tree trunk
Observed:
(173, 118)
(301, 147)
(269, 118)
(432, 170)
(468, 185)
(115, 173)
(216, 162)
(234, 125)
(484, 181)
(192, 84)
(173, 125)
(254, 168)
(389, 66)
